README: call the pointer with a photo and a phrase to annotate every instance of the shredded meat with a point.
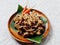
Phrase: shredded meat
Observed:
(29, 24)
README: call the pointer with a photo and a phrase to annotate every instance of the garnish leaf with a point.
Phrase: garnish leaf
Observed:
(36, 39)
(20, 8)
(44, 20)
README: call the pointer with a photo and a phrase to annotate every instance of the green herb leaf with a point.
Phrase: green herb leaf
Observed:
(36, 39)
(12, 25)
(44, 20)
(20, 8)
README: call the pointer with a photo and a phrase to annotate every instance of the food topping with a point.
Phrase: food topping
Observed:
(29, 24)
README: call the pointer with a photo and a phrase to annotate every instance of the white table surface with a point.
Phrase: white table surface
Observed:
(49, 7)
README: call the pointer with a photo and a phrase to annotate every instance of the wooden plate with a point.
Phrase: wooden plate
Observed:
(19, 37)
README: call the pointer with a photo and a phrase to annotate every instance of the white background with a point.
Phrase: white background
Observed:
(49, 7)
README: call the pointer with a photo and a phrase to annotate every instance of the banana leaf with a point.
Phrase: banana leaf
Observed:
(36, 39)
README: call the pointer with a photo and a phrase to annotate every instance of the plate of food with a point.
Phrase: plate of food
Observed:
(28, 25)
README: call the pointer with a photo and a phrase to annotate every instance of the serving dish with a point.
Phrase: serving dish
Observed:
(19, 37)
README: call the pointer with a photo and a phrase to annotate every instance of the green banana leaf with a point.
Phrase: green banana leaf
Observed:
(36, 39)
(20, 8)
